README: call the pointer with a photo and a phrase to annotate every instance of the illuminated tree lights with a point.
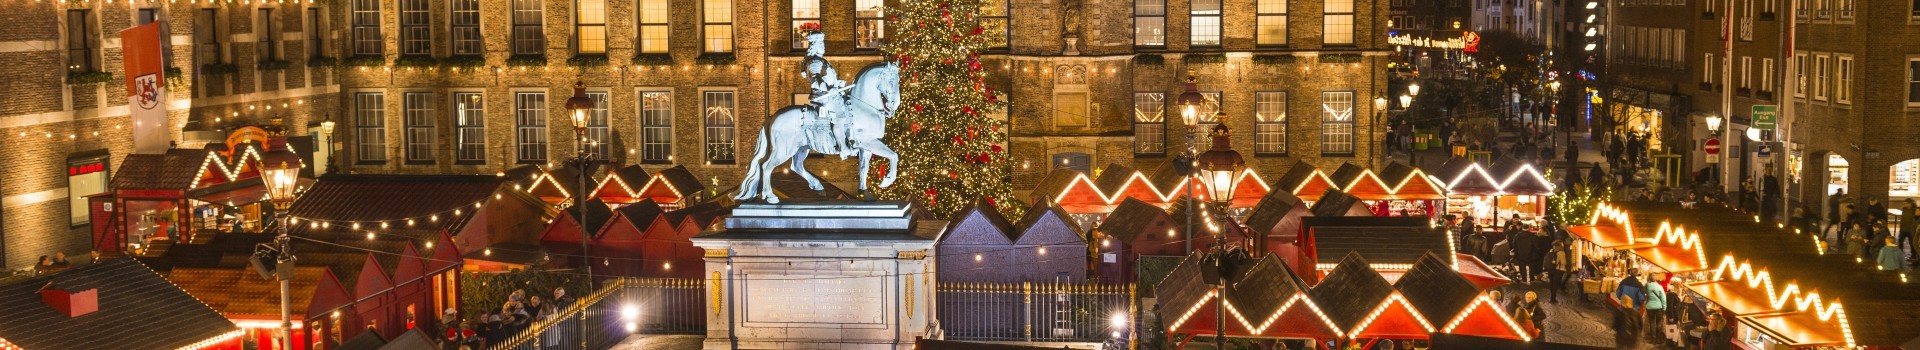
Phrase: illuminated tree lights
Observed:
(953, 152)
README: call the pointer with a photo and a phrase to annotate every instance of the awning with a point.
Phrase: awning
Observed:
(1671, 258)
(1478, 272)
(1734, 296)
(1603, 236)
(1798, 329)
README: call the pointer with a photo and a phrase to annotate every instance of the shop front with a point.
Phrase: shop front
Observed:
(1493, 195)
(182, 195)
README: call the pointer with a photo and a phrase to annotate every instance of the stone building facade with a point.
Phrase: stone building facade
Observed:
(476, 86)
(66, 119)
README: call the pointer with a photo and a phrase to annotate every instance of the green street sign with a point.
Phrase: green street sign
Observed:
(1764, 116)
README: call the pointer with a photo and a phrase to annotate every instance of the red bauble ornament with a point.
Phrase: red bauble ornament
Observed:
(943, 5)
(953, 175)
(973, 65)
(956, 139)
(996, 148)
(932, 192)
(966, 109)
(915, 127)
(978, 30)
(956, 38)
(985, 158)
(973, 132)
(946, 61)
(949, 89)
(904, 60)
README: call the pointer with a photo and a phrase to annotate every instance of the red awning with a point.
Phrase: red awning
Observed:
(1478, 272)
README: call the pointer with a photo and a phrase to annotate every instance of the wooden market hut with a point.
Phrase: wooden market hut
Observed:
(1392, 244)
(623, 185)
(1334, 203)
(1414, 189)
(1450, 300)
(561, 238)
(1464, 177)
(114, 304)
(1305, 181)
(979, 240)
(156, 201)
(1275, 222)
(1134, 229)
(649, 241)
(1048, 247)
(1360, 301)
(1269, 301)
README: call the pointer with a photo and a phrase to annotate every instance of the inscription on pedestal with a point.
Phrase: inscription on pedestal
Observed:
(816, 300)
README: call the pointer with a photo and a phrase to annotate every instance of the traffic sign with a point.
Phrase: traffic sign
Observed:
(1765, 151)
(1764, 116)
(1713, 146)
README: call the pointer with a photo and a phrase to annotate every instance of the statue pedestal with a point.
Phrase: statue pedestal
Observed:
(820, 275)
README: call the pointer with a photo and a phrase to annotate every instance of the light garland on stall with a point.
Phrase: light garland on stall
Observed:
(1678, 236)
(1483, 300)
(1159, 195)
(1393, 191)
(1809, 301)
(1619, 217)
(1500, 185)
(216, 340)
(1382, 308)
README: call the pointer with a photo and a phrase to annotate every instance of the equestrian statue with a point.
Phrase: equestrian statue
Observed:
(841, 118)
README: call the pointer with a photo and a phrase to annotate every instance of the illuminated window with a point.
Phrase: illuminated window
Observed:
(653, 26)
(470, 120)
(716, 25)
(1204, 17)
(1336, 123)
(1149, 123)
(80, 45)
(86, 176)
(993, 17)
(1150, 23)
(656, 127)
(1270, 122)
(590, 27)
(1338, 26)
(869, 24)
(598, 132)
(717, 113)
(1271, 22)
(1843, 79)
(366, 28)
(804, 12)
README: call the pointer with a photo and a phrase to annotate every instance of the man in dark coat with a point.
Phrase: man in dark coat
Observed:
(1526, 253)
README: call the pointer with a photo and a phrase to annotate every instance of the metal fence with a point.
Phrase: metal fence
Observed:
(663, 306)
(1028, 311)
(621, 307)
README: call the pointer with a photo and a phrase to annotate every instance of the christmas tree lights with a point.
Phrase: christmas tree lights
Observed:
(953, 152)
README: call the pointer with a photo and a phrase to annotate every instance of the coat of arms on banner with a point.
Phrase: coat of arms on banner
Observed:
(148, 90)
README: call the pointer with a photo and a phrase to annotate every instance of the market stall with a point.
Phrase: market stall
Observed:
(1493, 195)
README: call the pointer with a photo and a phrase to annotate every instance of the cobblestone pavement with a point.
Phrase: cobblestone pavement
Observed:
(660, 342)
(1575, 321)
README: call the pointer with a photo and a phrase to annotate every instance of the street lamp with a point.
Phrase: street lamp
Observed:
(1190, 102)
(280, 174)
(1713, 124)
(1406, 101)
(1221, 164)
(1413, 89)
(577, 106)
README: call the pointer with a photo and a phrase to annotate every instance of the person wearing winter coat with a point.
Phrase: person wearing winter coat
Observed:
(1890, 255)
(1655, 306)
(1527, 312)
(1560, 262)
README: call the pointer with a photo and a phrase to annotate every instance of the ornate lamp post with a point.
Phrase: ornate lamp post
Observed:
(1221, 164)
(1190, 102)
(280, 174)
(577, 107)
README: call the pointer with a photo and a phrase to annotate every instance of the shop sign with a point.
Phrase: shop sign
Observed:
(1449, 43)
(1764, 116)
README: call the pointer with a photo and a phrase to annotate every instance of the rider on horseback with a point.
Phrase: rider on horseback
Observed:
(828, 95)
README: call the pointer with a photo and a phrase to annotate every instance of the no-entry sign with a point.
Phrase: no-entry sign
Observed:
(1713, 146)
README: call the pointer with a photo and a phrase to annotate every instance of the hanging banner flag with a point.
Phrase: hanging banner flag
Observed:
(146, 87)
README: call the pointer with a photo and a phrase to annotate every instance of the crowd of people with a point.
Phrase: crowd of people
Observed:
(516, 315)
(1867, 230)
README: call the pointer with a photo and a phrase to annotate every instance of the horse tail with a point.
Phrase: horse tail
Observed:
(753, 179)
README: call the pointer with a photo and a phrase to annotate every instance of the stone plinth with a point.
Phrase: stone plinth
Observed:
(820, 275)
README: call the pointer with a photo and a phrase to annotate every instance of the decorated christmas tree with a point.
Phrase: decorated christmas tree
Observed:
(953, 153)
